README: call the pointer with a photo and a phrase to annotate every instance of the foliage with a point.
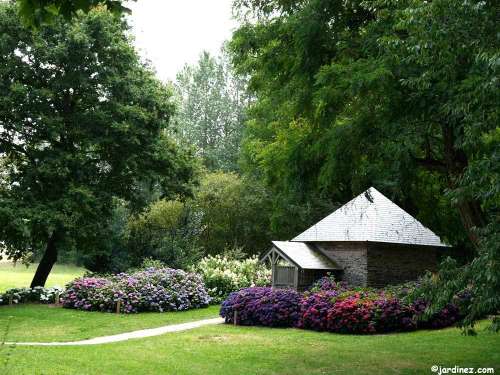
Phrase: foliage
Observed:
(234, 213)
(328, 283)
(45, 11)
(402, 95)
(25, 295)
(168, 231)
(223, 275)
(82, 123)
(314, 309)
(262, 306)
(337, 308)
(162, 289)
(212, 103)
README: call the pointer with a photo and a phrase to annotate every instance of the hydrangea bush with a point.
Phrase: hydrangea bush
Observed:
(152, 289)
(223, 275)
(25, 295)
(332, 306)
(262, 306)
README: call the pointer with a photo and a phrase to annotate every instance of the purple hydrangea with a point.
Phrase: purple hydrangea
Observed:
(262, 306)
(153, 289)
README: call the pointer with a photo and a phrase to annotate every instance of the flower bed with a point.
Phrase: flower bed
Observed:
(331, 306)
(153, 289)
(223, 276)
(25, 295)
(262, 306)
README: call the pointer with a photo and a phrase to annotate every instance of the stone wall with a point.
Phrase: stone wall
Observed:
(396, 264)
(351, 256)
(380, 264)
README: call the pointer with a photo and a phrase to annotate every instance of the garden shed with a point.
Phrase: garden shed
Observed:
(297, 265)
(369, 241)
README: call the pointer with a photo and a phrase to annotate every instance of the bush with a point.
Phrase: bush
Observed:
(332, 306)
(25, 295)
(352, 314)
(223, 275)
(314, 309)
(392, 314)
(153, 289)
(328, 283)
(262, 306)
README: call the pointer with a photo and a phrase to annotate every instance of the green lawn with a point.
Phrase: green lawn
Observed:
(20, 276)
(41, 323)
(225, 349)
(221, 349)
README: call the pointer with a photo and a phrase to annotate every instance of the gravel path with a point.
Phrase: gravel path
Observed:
(128, 335)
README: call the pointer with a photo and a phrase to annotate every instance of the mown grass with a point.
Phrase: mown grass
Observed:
(42, 323)
(19, 276)
(226, 349)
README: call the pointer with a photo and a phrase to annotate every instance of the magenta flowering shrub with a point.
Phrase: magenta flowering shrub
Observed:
(391, 314)
(85, 293)
(152, 289)
(445, 317)
(355, 312)
(352, 314)
(335, 308)
(314, 309)
(262, 306)
(328, 283)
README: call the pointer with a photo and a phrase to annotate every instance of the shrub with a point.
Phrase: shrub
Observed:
(444, 317)
(314, 309)
(352, 314)
(223, 275)
(392, 315)
(153, 289)
(332, 306)
(37, 294)
(262, 306)
(328, 283)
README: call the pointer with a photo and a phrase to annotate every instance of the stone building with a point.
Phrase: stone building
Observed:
(370, 241)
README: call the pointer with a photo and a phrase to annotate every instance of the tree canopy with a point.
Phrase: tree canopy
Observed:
(402, 95)
(82, 121)
(212, 103)
(35, 13)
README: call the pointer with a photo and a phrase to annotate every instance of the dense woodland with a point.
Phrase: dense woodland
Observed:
(310, 103)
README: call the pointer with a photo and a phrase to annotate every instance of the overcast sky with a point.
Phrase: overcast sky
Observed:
(171, 33)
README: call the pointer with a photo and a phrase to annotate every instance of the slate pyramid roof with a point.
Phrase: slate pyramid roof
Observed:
(371, 217)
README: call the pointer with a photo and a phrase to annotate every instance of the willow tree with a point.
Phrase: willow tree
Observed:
(81, 122)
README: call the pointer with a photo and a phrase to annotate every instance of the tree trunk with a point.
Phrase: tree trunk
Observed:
(48, 260)
(472, 217)
(456, 162)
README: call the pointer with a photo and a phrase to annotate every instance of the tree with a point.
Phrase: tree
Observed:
(402, 95)
(45, 11)
(168, 230)
(212, 103)
(235, 214)
(82, 122)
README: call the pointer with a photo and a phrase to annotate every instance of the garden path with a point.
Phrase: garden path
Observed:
(128, 335)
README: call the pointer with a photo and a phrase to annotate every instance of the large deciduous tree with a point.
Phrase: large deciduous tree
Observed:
(399, 94)
(81, 122)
